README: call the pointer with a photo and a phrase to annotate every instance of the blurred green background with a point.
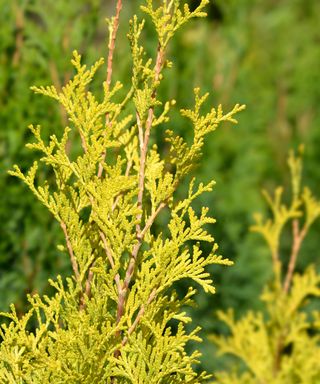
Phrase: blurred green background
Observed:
(263, 53)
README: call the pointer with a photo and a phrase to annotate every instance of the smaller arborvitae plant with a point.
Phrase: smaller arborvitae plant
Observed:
(118, 319)
(283, 345)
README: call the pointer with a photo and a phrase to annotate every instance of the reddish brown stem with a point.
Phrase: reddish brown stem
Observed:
(113, 42)
(88, 283)
(151, 219)
(108, 124)
(111, 47)
(75, 267)
(144, 141)
(298, 237)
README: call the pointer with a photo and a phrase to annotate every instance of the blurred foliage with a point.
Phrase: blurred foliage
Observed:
(282, 345)
(265, 54)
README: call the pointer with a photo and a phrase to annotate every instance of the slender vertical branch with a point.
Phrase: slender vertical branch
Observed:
(139, 316)
(110, 258)
(298, 237)
(88, 285)
(112, 44)
(111, 47)
(143, 141)
(130, 270)
(70, 250)
(152, 218)
(131, 267)
(276, 265)
(144, 138)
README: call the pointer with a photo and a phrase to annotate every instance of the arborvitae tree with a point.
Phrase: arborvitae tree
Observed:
(118, 318)
(283, 345)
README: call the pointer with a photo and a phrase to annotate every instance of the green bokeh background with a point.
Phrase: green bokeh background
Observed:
(263, 53)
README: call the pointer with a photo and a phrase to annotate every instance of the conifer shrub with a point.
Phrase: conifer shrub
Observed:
(118, 318)
(282, 345)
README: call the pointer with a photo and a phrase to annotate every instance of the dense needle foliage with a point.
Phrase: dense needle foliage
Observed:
(254, 52)
(118, 318)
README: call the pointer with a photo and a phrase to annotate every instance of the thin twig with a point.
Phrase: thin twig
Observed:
(139, 316)
(276, 266)
(130, 270)
(144, 141)
(151, 219)
(132, 263)
(88, 283)
(70, 250)
(108, 252)
(113, 42)
(111, 47)
(298, 237)
(108, 124)
(110, 258)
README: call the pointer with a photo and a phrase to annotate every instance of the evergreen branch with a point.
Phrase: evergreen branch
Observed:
(144, 141)
(115, 304)
(108, 124)
(141, 144)
(132, 263)
(144, 138)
